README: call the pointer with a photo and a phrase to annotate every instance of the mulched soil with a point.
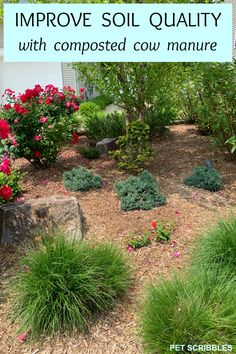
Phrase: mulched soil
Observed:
(192, 210)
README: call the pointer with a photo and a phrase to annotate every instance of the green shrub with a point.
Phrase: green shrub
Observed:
(81, 179)
(98, 124)
(188, 311)
(159, 118)
(217, 249)
(89, 152)
(139, 192)
(62, 285)
(134, 150)
(102, 101)
(88, 108)
(204, 177)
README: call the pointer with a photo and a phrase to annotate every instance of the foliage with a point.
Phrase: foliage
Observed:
(89, 152)
(88, 108)
(135, 87)
(183, 310)
(232, 141)
(81, 179)
(216, 88)
(217, 249)
(98, 124)
(134, 150)
(62, 285)
(138, 241)
(41, 119)
(102, 101)
(139, 192)
(204, 177)
(161, 116)
(161, 231)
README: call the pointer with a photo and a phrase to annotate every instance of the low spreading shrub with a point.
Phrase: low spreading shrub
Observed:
(42, 118)
(204, 177)
(81, 179)
(139, 192)
(188, 311)
(62, 285)
(134, 148)
(90, 152)
(217, 249)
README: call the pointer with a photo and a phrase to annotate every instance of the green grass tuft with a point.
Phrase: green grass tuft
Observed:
(63, 285)
(217, 249)
(189, 310)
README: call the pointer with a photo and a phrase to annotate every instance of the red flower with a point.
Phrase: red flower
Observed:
(76, 138)
(68, 104)
(19, 109)
(37, 154)
(48, 101)
(5, 192)
(154, 225)
(6, 106)
(4, 129)
(82, 89)
(4, 167)
(76, 107)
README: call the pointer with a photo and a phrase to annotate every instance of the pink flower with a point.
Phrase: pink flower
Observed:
(68, 104)
(43, 119)
(76, 107)
(22, 337)
(130, 248)
(49, 126)
(16, 121)
(177, 254)
(37, 138)
(82, 89)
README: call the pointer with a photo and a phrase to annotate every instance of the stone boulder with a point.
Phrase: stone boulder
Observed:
(105, 145)
(22, 221)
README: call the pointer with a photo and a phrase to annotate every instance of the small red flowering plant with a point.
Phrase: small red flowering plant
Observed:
(9, 178)
(159, 232)
(41, 119)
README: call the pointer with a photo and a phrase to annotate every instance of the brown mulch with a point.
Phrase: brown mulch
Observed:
(192, 210)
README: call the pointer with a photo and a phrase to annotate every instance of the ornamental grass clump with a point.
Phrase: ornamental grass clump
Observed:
(81, 179)
(189, 310)
(139, 192)
(204, 177)
(62, 285)
(217, 249)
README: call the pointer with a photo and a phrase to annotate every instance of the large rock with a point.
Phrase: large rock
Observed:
(22, 221)
(105, 145)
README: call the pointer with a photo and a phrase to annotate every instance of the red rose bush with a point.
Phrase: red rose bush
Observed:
(9, 178)
(41, 119)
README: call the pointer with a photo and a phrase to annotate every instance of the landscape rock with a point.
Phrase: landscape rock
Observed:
(105, 145)
(20, 221)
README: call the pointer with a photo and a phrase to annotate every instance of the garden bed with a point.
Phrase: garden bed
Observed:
(191, 210)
